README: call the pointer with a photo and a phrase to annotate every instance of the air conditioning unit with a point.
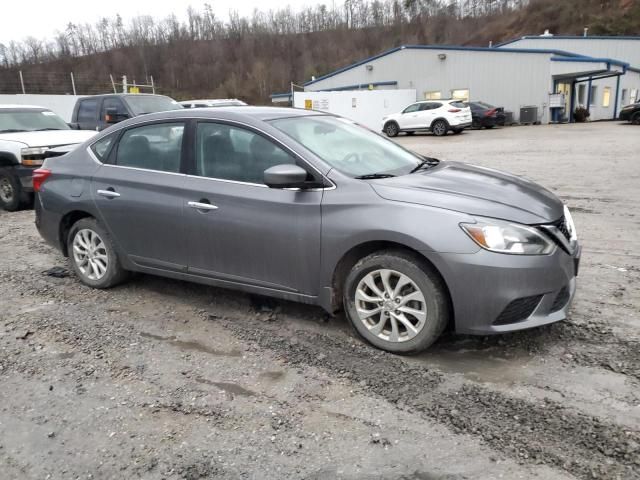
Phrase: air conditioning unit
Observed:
(529, 114)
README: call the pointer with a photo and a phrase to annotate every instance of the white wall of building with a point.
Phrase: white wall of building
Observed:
(506, 79)
(367, 107)
(60, 104)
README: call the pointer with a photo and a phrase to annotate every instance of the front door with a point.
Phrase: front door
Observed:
(410, 117)
(238, 229)
(139, 195)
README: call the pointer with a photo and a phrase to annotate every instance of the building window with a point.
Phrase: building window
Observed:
(460, 94)
(581, 90)
(606, 96)
(623, 96)
(433, 95)
(593, 96)
(634, 93)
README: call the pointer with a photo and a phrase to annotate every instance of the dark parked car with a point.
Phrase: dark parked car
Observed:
(631, 113)
(310, 207)
(97, 112)
(486, 115)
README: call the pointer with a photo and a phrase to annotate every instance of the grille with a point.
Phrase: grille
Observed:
(518, 310)
(562, 226)
(561, 299)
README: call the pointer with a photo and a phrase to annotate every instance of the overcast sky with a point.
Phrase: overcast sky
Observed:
(41, 18)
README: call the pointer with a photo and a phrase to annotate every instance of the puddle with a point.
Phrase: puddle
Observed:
(228, 387)
(479, 366)
(191, 345)
(273, 376)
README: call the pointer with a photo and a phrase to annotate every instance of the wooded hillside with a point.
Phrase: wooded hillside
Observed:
(250, 58)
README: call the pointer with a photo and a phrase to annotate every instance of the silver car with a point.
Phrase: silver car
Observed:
(310, 207)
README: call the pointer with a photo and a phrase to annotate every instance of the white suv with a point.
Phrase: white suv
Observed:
(437, 116)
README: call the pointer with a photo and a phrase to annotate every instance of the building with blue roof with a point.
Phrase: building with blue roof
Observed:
(599, 73)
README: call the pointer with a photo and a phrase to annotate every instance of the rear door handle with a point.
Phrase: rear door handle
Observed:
(202, 206)
(108, 193)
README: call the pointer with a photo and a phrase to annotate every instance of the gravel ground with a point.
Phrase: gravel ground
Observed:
(165, 379)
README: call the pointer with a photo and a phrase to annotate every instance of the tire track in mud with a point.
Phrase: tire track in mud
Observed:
(538, 432)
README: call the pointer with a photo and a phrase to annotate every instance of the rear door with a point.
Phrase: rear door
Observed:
(238, 229)
(427, 113)
(138, 192)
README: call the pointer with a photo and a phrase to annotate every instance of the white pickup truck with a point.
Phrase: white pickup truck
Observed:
(26, 133)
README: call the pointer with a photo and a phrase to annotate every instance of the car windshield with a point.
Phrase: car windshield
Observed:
(23, 120)
(151, 103)
(348, 147)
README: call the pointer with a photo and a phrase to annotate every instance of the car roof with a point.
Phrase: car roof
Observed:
(23, 107)
(212, 100)
(247, 114)
(124, 95)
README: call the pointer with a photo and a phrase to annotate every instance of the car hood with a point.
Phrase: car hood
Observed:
(476, 191)
(49, 138)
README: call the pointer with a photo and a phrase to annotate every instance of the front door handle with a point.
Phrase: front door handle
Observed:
(202, 206)
(109, 193)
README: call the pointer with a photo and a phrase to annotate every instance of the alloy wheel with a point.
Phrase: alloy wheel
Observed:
(6, 190)
(392, 130)
(390, 305)
(439, 128)
(90, 254)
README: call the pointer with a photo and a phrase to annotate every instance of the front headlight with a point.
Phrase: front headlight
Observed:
(506, 237)
(33, 156)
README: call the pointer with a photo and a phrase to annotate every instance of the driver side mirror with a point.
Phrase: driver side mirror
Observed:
(112, 116)
(285, 176)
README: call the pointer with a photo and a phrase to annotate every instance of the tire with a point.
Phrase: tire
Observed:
(10, 191)
(439, 128)
(109, 271)
(432, 301)
(635, 118)
(392, 129)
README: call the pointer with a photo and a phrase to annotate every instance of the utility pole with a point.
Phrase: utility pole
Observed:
(73, 84)
(113, 84)
(21, 81)
(153, 87)
(124, 84)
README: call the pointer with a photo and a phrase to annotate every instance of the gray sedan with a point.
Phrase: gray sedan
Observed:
(313, 208)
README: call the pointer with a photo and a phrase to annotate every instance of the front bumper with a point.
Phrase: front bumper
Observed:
(25, 175)
(496, 293)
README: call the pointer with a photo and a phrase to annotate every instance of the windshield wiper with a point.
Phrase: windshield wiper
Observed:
(372, 176)
(425, 164)
(12, 130)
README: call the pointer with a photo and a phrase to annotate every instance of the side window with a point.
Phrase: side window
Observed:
(110, 102)
(232, 153)
(102, 147)
(412, 108)
(427, 106)
(153, 147)
(87, 110)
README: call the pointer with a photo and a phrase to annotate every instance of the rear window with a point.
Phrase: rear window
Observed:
(459, 104)
(87, 110)
(151, 103)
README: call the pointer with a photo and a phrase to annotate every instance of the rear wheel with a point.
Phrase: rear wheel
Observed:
(391, 129)
(10, 191)
(396, 303)
(635, 119)
(93, 256)
(439, 128)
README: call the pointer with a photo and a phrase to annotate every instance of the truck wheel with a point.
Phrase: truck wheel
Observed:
(439, 128)
(396, 302)
(10, 191)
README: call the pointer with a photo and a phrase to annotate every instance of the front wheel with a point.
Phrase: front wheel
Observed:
(93, 256)
(391, 129)
(10, 191)
(635, 119)
(395, 302)
(439, 128)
